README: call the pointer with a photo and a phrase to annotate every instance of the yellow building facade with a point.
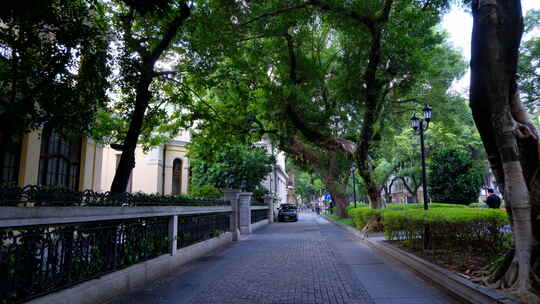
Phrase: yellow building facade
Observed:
(162, 170)
(43, 158)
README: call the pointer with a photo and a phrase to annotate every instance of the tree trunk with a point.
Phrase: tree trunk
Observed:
(510, 140)
(127, 159)
(375, 197)
(373, 190)
(339, 196)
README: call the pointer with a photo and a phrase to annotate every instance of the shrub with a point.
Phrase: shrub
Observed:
(421, 206)
(259, 193)
(454, 176)
(362, 216)
(449, 227)
(206, 192)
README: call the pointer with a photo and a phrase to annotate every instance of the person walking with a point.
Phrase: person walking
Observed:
(493, 200)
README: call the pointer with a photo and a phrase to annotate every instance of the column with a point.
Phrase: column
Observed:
(231, 195)
(173, 233)
(270, 203)
(244, 205)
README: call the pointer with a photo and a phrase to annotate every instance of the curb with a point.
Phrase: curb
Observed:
(453, 284)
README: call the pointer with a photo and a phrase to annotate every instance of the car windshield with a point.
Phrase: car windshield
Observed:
(288, 208)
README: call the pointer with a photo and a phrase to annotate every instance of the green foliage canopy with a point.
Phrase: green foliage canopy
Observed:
(529, 61)
(233, 166)
(454, 177)
(53, 65)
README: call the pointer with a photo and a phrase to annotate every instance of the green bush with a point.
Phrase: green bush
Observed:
(259, 193)
(361, 216)
(421, 206)
(449, 227)
(454, 177)
(205, 192)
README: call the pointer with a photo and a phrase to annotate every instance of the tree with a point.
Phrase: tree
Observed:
(307, 186)
(453, 131)
(53, 65)
(330, 166)
(233, 166)
(353, 85)
(510, 139)
(529, 62)
(454, 177)
(146, 31)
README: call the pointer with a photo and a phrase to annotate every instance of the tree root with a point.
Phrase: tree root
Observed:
(506, 277)
(373, 225)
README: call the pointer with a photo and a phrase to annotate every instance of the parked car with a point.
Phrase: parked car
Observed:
(287, 212)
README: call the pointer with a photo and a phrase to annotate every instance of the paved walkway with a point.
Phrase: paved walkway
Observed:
(310, 261)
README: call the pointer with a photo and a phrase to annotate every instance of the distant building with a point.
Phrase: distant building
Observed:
(276, 181)
(400, 194)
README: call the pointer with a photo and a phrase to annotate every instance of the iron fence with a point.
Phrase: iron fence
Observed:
(35, 260)
(198, 228)
(42, 196)
(258, 215)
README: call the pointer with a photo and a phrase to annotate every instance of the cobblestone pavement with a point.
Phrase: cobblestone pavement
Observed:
(309, 261)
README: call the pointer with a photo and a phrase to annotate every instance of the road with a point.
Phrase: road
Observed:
(309, 261)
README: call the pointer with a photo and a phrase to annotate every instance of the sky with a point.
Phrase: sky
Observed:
(458, 23)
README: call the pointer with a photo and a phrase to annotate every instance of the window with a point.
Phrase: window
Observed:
(59, 163)
(10, 152)
(177, 177)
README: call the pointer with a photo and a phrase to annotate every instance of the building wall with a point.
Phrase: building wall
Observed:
(276, 181)
(90, 160)
(172, 153)
(29, 161)
(147, 176)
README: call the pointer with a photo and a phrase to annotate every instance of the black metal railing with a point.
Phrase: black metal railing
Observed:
(43, 196)
(197, 228)
(258, 215)
(35, 260)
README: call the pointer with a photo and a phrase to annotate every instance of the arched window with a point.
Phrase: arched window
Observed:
(59, 162)
(177, 177)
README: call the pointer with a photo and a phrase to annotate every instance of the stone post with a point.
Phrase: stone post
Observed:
(244, 206)
(173, 233)
(231, 195)
(270, 203)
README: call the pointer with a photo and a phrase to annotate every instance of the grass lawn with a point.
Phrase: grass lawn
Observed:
(346, 221)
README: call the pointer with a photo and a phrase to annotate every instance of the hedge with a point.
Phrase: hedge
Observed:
(362, 215)
(449, 225)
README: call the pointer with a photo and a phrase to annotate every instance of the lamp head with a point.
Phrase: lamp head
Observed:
(427, 113)
(415, 122)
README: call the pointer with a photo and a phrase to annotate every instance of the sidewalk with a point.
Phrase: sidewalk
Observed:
(309, 261)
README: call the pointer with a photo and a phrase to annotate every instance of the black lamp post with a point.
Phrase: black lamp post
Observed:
(420, 126)
(353, 169)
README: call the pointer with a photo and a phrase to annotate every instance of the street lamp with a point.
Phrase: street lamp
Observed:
(353, 168)
(420, 126)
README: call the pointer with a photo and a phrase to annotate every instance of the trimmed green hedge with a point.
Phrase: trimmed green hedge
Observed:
(363, 214)
(449, 225)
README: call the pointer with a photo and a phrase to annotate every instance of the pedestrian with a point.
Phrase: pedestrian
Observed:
(493, 200)
(317, 209)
